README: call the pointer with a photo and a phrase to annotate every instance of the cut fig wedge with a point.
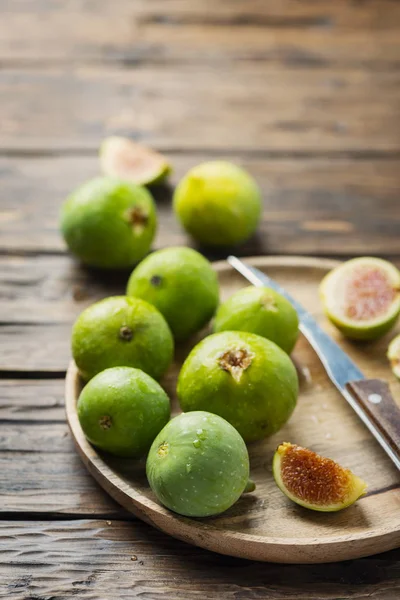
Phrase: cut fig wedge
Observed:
(393, 355)
(313, 481)
(361, 297)
(121, 157)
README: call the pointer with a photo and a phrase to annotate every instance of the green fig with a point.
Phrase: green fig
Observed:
(121, 410)
(109, 223)
(218, 203)
(263, 311)
(121, 331)
(243, 377)
(198, 465)
(182, 284)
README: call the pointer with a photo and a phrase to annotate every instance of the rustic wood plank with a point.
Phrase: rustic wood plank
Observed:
(311, 205)
(246, 107)
(91, 558)
(57, 286)
(342, 33)
(31, 348)
(31, 400)
(36, 437)
(36, 484)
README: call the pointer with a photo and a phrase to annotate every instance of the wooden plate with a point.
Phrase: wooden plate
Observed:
(266, 525)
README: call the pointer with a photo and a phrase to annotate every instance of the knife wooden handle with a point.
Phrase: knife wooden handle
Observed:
(376, 400)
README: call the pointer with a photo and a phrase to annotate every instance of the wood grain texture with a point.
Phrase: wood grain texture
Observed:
(311, 205)
(249, 107)
(31, 400)
(51, 289)
(37, 484)
(202, 32)
(265, 525)
(103, 560)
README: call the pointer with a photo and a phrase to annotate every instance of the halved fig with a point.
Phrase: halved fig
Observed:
(361, 297)
(313, 481)
(121, 157)
(393, 355)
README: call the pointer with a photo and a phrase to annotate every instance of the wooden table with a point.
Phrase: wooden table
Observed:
(305, 95)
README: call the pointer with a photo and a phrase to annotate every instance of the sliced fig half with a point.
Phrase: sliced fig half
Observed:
(393, 355)
(314, 481)
(121, 157)
(361, 297)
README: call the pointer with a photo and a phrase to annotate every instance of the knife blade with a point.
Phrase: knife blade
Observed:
(340, 368)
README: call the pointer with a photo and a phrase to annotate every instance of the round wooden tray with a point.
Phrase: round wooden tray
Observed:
(265, 525)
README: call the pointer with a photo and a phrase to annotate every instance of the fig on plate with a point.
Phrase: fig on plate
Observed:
(313, 481)
(121, 157)
(243, 377)
(121, 410)
(260, 310)
(198, 465)
(393, 355)
(361, 297)
(182, 284)
(122, 332)
(109, 223)
(218, 203)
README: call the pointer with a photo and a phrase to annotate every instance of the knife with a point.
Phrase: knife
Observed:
(371, 399)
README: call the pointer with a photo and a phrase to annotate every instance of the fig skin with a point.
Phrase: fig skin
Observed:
(367, 330)
(181, 284)
(263, 311)
(198, 465)
(109, 223)
(317, 475)
(243, 377)
(122, 157)
(218, 203)
(393, 355)
(121, 410)
(120, 331)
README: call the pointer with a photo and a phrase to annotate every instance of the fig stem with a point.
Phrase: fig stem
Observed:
(250, 487)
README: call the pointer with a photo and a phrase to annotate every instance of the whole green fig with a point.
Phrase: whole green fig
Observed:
(182, 284)
(243, 377)
(263, 311)
(198, 465)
